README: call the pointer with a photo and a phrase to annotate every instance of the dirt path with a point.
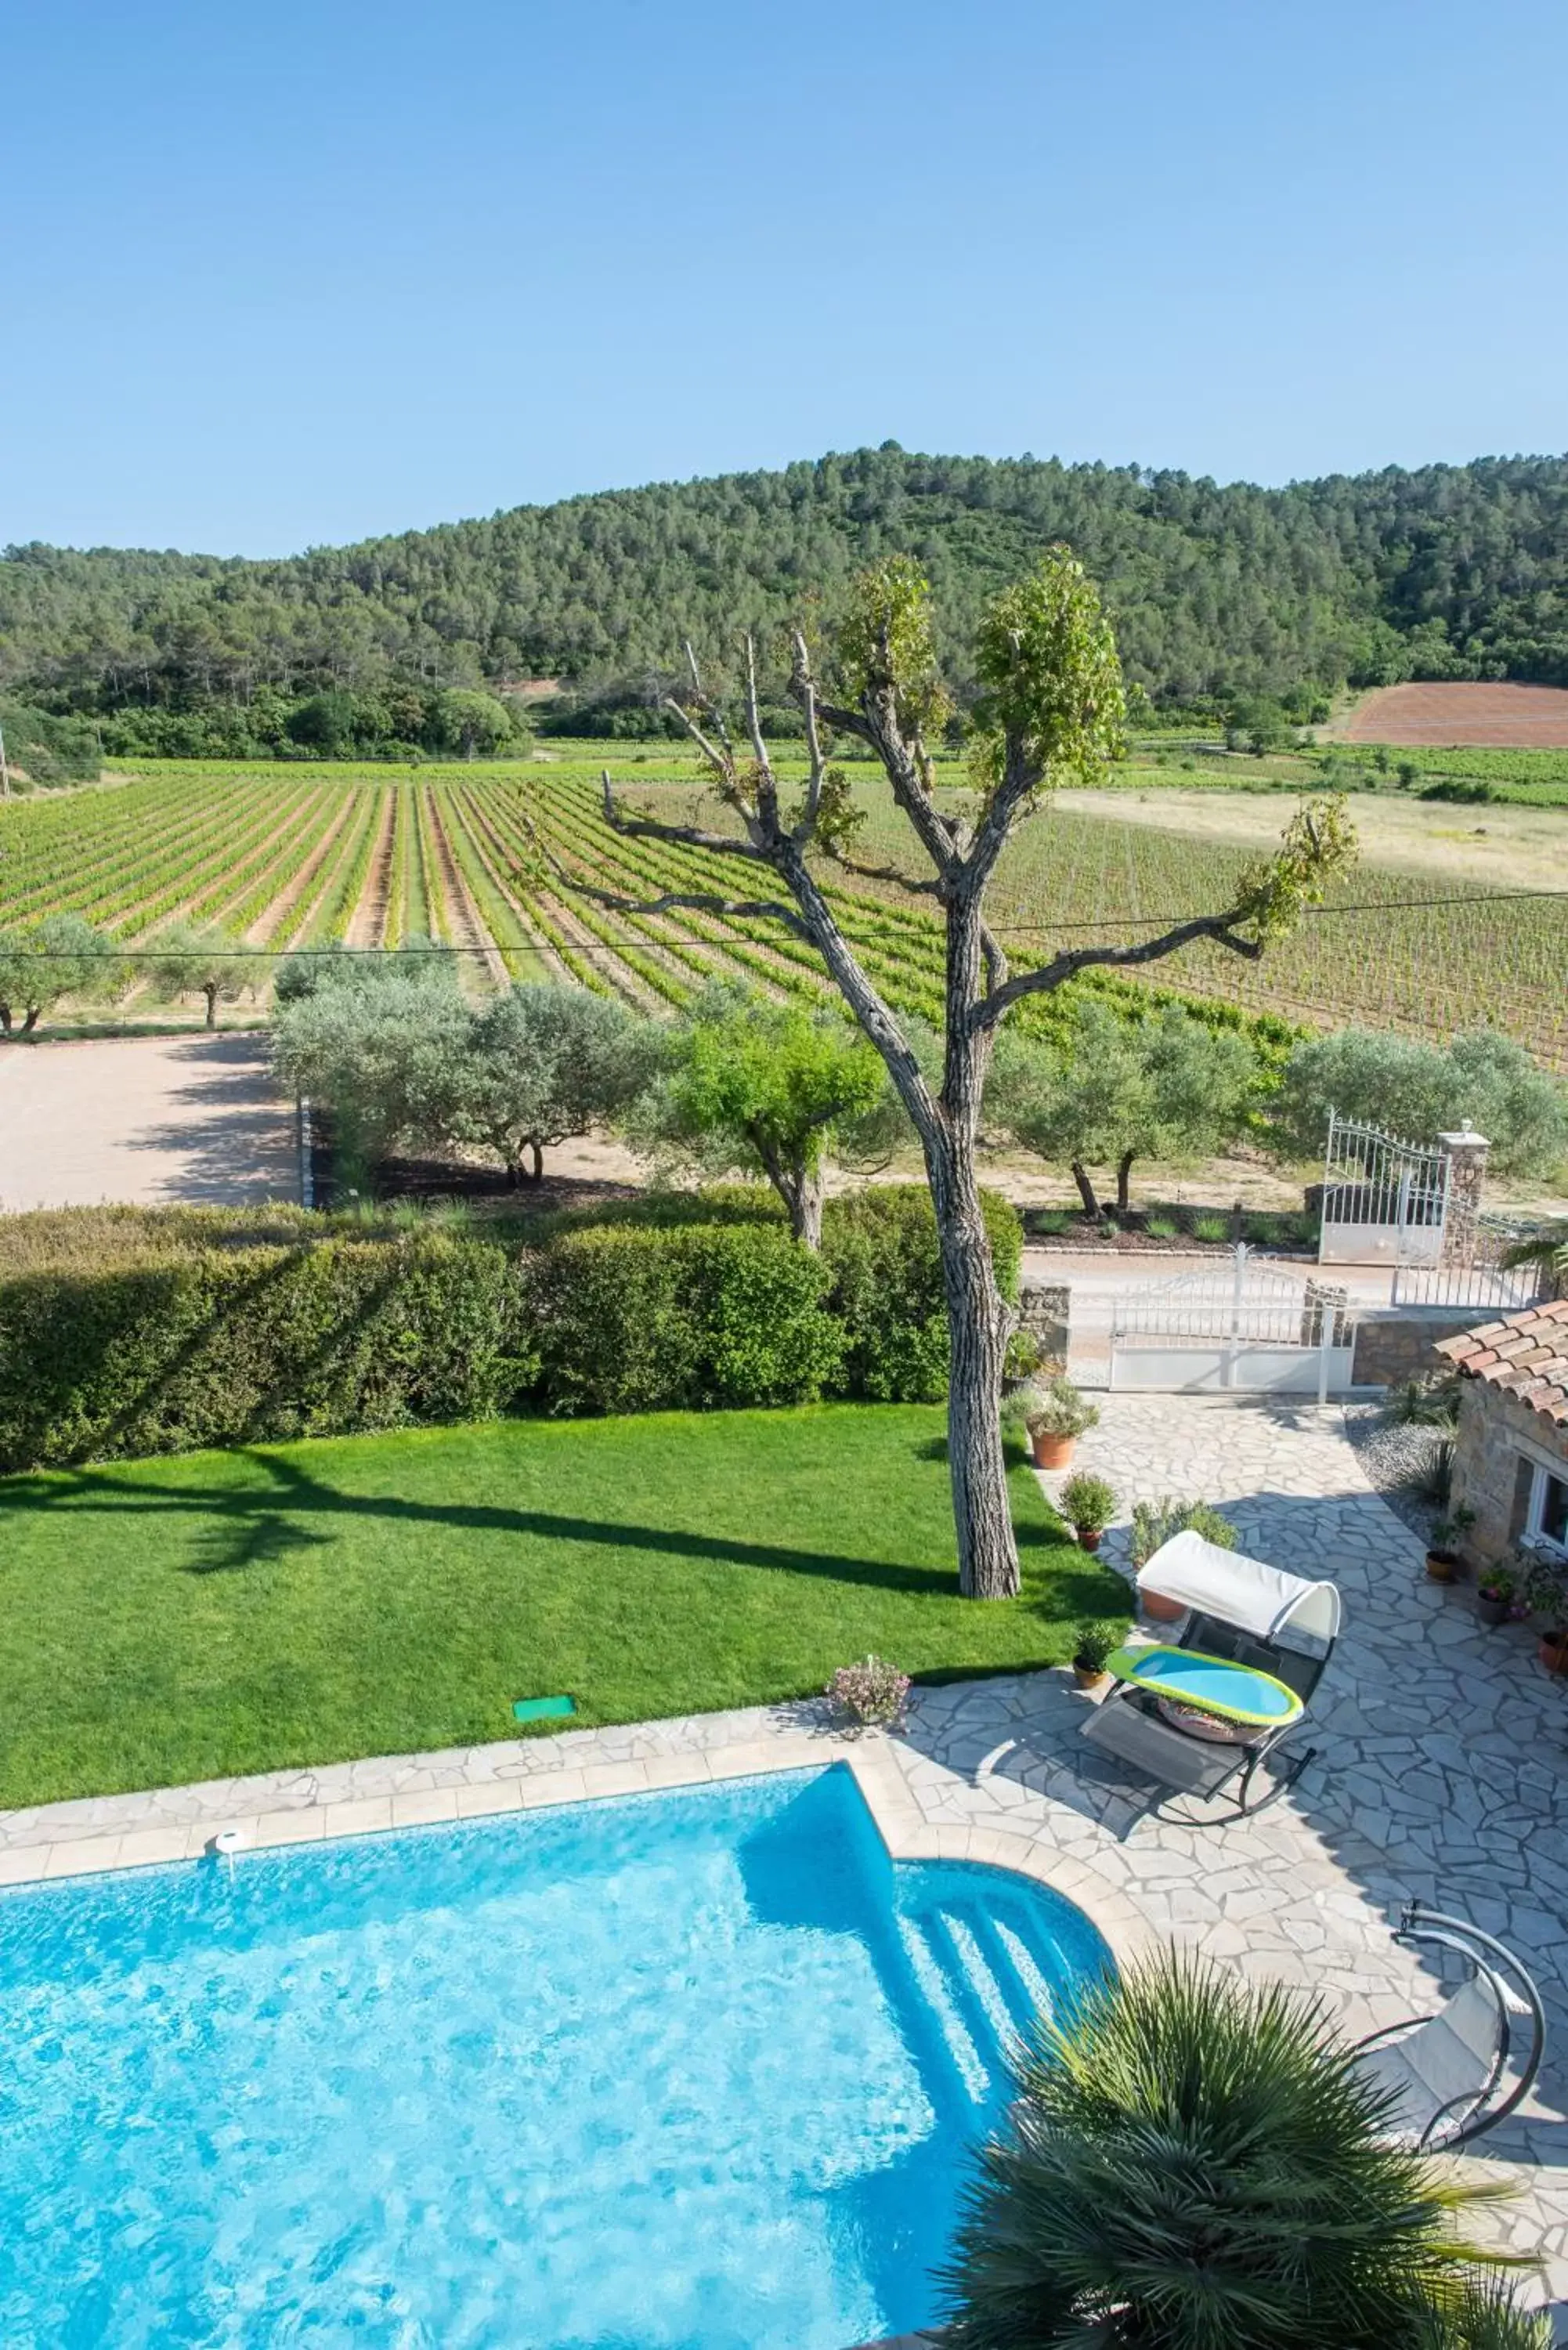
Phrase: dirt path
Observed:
(155, 1120)
(273, 924)
(481, 836)
(1495, 847)
(369, 926)
(462, 915)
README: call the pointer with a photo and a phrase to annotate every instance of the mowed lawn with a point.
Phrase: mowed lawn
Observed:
(189, 1618)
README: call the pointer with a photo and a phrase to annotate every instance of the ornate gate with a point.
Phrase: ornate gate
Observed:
(1384, 1201)
(1247, 1327)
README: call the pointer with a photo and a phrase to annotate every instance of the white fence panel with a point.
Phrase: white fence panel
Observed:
(1220, 1369)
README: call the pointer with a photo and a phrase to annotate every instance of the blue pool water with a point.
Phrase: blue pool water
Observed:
(693, 2071)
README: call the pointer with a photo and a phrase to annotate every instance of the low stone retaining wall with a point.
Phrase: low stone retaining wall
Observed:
(1045, 1309)
(1393, 1342)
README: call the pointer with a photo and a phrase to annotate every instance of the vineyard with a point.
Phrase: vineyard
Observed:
(500, 861)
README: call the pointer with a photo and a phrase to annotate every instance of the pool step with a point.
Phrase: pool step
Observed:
(982, 1982)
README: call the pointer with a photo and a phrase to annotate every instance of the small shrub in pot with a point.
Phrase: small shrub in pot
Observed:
(1092, 1644)
(1547, 1592)
(1495, 1594)
(1088, 1504)
(870, 1695)
(1155, 1523)
(1058, 1415)
(1443, 1562)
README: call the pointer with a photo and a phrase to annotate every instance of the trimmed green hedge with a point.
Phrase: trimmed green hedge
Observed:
(188, 1338)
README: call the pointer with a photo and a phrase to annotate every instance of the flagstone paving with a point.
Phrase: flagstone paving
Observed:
(1441, 1775)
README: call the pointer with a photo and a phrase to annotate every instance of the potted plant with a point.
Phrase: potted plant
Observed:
(1093, 1643)
(1088, 1504)
(1154, 1524)
(869, 1695)
(1495, 1594)
(1548, 1595)
(1443, 1562)
(1058, 1417)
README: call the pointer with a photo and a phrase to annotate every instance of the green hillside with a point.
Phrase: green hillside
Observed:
(1445, 571)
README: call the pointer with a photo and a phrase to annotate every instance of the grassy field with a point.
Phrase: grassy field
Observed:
(190, 1618)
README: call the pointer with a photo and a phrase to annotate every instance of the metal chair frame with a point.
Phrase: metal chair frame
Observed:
(1495, 1965)
(1298, 1669)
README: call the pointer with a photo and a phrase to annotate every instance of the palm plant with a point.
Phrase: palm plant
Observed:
(1548, 1250)
(1192, 2163)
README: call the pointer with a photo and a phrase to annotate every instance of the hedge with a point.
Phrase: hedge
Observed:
(187, 1334)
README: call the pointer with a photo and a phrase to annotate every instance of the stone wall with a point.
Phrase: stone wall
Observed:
(1044, 1308)
(1395, 1343)
(1491, 1474)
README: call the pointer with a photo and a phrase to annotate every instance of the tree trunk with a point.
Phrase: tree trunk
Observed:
(536, 1163)
(1085, 1190)
(31, 1022)
(980, 1324)
(1124, 1182)
(5, 1019)
(806, 1210)
(211, 992)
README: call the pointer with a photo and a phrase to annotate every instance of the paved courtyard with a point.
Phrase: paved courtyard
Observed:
(154, 1120)
(1442, 1775)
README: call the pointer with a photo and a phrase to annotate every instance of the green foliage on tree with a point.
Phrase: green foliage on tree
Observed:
(42, 962)
(1218, 594)
(1192, 2163)
(375, 1041)
(770, 1089)
(541, 1064)
(1419, 1091)
(1109, 1091)
(472, 723)
(188, 959)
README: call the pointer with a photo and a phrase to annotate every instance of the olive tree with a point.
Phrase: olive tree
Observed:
(771, 1089)
(60, 955)
(187, 959)
(1049, 711)
(541, 1064)
(1109, 1091)
(376, 1041)
(1418, 1090)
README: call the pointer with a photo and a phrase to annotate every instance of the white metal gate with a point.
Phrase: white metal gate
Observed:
(1384, 1201)
(1248, 1327)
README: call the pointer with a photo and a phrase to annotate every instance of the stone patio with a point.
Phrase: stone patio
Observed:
(1441, 1775)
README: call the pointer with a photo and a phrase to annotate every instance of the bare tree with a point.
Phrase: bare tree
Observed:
(1051, 709)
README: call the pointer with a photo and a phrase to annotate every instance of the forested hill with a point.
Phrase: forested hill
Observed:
(1449, 571)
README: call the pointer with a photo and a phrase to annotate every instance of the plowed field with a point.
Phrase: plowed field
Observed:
(1513, 717)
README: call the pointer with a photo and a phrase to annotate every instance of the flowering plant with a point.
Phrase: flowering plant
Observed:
(870, 1694)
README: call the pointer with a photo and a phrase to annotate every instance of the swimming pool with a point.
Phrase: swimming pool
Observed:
(688, 2071)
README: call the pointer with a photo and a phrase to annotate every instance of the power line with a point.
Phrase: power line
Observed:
(697, 939)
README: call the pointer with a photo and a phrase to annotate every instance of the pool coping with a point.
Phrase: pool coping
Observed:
(98, 1835)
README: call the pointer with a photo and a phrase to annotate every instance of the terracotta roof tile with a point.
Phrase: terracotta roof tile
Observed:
(1525, 1354)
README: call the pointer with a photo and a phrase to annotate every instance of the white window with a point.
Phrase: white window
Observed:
(1546, 1520)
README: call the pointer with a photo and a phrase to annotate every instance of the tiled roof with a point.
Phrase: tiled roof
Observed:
(1525, 1354)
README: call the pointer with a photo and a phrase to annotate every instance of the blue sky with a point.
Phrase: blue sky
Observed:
(300, 273)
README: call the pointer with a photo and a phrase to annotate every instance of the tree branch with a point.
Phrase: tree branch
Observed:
(647, 827)
(697, 901)
(1048, 976)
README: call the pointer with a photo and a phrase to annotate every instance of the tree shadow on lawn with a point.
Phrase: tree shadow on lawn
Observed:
(254, 1527)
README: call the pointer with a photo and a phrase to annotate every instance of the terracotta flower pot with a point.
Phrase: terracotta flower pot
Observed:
(1052, 1451)
(1088, 1678)
(1089, 1537)
(1553, 1648)
(1442, 1567)
(1160, 1609)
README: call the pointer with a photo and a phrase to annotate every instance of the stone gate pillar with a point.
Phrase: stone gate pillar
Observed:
(1466, 1153)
